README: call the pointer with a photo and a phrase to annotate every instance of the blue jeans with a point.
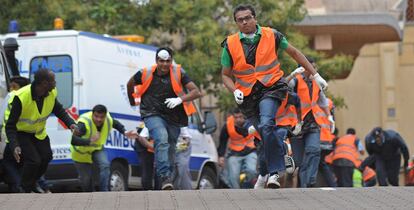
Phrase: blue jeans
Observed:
(307, 153)
(165, 138)
(282, 132)
(86, 175)
(238, 164)
(272, 144)
(182, 177)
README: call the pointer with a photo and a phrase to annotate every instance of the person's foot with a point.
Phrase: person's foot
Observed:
(290, 164)
(166, 184)
(261, 182)
(273, 181)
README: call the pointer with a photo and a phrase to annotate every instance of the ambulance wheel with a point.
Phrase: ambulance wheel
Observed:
(207, 179)
(118, 181)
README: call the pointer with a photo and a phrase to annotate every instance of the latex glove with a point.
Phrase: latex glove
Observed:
(299, 70)
(173, 102)
(251, 129)
(320, 81)
(238, 96)
(331, 120)
(298, 128)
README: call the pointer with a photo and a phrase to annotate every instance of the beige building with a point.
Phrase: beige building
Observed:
(380, 36)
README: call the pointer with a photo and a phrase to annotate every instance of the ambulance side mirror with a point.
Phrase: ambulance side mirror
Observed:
(210, 124)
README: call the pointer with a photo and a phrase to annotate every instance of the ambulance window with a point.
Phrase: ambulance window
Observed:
(61, 65)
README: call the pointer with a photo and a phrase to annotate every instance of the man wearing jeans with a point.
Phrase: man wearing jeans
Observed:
(255, 80)
(164, 107)
(88, 146)
(241, 152)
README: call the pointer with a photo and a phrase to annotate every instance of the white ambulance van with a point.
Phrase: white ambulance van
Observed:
(94, 69)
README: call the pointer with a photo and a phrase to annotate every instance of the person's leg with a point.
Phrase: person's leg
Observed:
(338, 173)
(273, 145)
(100, 159)
(371, 182)
(380, 170)
(147, 166)
(173, 133)
(347, 176)
(326, 169)
(45, 152)
(182, 181)
(309, 166)
(31, 161)
(85, 176)
(233, 168)
(249, 166)
(392, 168)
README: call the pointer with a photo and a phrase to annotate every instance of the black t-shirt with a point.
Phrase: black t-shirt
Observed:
(152, 101)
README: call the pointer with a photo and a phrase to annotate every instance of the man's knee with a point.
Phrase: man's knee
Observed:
(313, 150)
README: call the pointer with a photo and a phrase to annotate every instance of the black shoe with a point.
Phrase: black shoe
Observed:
(166, 184)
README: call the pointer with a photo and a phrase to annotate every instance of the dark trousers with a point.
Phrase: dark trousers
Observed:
(344, 175)
(147, 165)
(325, 169)
(13, 170)
(36, 156)
(387, 170)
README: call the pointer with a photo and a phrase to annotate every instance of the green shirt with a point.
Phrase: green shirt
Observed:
(226, 60)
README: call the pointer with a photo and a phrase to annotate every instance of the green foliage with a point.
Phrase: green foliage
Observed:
(193, 28)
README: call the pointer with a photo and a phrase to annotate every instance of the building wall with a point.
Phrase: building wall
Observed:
(378, 92)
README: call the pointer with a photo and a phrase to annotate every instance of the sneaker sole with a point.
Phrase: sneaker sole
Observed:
(168, 187)
(273, 186)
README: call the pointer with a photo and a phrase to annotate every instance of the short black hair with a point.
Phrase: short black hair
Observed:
(99, 109)
(377, 131)
(242, 7)
(169, 50)
(351, 131)
(41, 75)
(21, 81)
(236, 111)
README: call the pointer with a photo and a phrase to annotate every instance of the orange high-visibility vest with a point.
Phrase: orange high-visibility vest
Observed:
(237, 141)
(175, 75)
(368, 174)
(345, 149)
(326, 135)
(267, 68)
(286, 116)
(310, 104)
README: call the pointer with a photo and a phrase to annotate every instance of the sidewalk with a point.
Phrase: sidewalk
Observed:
(316, 198)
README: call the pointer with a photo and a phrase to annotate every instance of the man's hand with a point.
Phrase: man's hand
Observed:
(320, 81)
(299, 70)
(331, 120)
(75, 129)
(221, 161)
(173, 102)
(238, 96)
(298, 128)
(17, 153)
(251, 129)
(95, 137)
(132, 134)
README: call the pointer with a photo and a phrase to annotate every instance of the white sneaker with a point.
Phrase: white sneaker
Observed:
(273, 182)
(290, 164)
(261, 182)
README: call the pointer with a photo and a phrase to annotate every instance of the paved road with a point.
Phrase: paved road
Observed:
(345, 198)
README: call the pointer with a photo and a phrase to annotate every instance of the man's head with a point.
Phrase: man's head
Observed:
(163, 58)
(239, 117)
(378, 135)
(18, 82)
(351, 131)
(45, 80)
(99, 114)
(245, 18)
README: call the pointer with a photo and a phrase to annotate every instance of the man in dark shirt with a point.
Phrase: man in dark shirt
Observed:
(88, 146)
(387, 146)
(241, 152)
(26, 125)
(164, 107)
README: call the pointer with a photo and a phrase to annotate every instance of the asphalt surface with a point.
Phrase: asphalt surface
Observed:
(315, 198)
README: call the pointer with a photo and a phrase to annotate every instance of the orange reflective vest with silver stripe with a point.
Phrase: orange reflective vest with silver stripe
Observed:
(345, 149)
(175, 75)
(326, 134)
(286, 115)
(368, 174)
(237, 141)
(267, 67)
(309, 103)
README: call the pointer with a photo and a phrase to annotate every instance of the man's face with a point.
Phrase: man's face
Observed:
(246, 21)
(164, 65)
(98, 118)
(239, 119)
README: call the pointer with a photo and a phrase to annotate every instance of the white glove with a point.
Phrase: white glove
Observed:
(299, 70)
(251, 129)
(320, 81)
(298, 128)
(173, 102)
(331, 120)
(238, 96)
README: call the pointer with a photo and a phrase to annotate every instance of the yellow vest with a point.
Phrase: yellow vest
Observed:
(83, 154)
(30, 120)
(6, 115)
